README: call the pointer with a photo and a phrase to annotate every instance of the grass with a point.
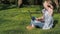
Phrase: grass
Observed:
(15, 20)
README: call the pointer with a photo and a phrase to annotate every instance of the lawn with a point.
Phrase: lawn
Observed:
(14, 21)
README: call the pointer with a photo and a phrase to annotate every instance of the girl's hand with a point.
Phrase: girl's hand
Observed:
(39, 19)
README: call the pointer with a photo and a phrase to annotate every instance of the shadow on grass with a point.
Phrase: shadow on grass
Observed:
(6, 6)
(55, 22)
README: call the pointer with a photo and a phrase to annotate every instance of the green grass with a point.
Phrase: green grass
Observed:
(15, 20)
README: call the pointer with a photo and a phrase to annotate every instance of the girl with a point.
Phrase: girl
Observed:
(46, 21)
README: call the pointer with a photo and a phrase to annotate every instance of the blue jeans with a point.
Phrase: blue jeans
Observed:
(37, 23)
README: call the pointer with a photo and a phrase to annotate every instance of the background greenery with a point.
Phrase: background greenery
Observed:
(14, 20)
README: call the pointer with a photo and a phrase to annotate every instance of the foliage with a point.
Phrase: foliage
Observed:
(14, 21)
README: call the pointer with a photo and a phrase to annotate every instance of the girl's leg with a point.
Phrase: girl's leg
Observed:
(37, 23)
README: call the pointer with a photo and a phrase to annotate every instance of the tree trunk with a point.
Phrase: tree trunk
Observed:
(0, 1)
(57, 5)
(19, 3)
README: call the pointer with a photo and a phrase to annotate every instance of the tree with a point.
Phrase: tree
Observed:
(0, 1)
(38, 2)
(57, 5)
(19, 3)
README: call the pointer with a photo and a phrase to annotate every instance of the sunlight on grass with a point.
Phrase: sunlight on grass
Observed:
(15, 20)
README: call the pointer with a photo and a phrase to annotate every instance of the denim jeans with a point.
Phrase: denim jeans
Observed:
(37, 23)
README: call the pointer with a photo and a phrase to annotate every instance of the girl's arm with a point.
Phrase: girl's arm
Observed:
(45, 4)
(40, 18)
(50, 6)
